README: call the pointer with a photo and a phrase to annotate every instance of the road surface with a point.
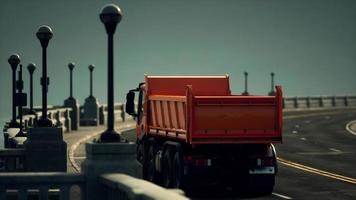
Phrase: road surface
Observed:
(316, 161)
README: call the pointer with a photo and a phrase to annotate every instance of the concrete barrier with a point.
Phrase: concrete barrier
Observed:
(41, 185)
(124, 187)
(59, 184)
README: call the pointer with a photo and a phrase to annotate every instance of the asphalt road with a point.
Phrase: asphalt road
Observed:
(321, 142)
(317, 159)
(316, 139)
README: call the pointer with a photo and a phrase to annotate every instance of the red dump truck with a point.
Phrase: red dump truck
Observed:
(192, 130)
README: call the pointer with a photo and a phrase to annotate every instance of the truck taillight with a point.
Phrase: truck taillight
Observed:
(266, 161)
(197, 161)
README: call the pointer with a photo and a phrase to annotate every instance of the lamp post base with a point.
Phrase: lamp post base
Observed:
(110, 136)
(44, 122)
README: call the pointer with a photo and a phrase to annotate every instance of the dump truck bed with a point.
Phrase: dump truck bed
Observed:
(189, 112)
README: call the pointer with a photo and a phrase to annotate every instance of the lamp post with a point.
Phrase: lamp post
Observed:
(71, 102)
(110, 16)
(31, 68)
(91, 69)
(272, 93)
(14, 60)
(44, 34)
(246, 90)
(20, 100)
(71, 67)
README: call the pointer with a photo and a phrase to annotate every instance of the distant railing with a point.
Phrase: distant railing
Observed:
(319, 102)
(119, 112)
(42, 185)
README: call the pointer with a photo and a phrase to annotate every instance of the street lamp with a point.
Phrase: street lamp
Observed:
(272, 93)
(31, 68)
(91, 69)
(71, 67)
(110, 16)
(14, 60)
(44, 34)
(246, 90)
(20, 100)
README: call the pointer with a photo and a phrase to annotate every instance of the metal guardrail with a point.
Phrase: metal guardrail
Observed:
(40, 184)
(318, 102)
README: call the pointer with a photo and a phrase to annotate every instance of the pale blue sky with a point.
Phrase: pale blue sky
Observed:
(309, 44)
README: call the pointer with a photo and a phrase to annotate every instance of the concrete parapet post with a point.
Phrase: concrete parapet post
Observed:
(333, 101)
(284, 103)
(101, 115)
(103, 158)
(321, 102)
(75, 113)
(67, 121)
(295, 102)
(346, 103)
(45, 150)
(123, 113)
(308, 102)
(91, 112)
(57, 116)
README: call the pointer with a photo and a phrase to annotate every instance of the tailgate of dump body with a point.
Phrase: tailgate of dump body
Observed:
(236, 119)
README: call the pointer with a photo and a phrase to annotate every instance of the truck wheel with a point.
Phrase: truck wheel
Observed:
(144, 160)
(177, 172)
(167, 169)
(152, 174)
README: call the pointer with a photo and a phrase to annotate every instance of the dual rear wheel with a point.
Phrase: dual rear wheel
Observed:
(171, 175)
(172, 172)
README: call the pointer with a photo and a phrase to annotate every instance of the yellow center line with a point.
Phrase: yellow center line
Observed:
(316, 171)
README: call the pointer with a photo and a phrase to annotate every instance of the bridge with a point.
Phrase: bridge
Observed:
(75, 152)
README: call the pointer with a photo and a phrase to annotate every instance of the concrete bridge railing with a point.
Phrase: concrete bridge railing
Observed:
(73, 186)
(21, 186)
(119, 113)
(12, 160)
(124, 187)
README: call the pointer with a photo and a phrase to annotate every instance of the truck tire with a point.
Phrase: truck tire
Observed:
(152, 174)
(167, 169)
(178, 171)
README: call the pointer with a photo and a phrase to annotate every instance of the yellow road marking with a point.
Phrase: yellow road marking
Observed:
(317, 171)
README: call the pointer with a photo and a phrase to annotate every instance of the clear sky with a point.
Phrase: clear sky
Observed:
(309, 44)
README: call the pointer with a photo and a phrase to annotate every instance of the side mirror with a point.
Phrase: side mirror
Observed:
(130, 104)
